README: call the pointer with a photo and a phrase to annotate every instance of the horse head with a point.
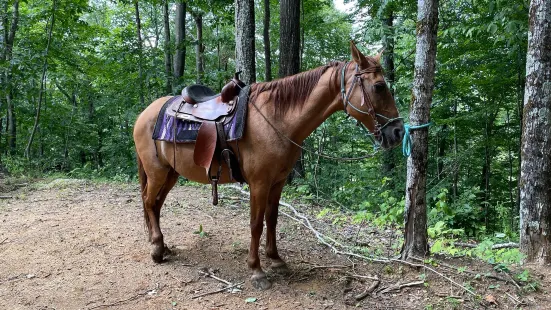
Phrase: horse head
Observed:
(367, 98)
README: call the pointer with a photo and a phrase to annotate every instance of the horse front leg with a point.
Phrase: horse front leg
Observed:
(155, 196)
(259, 200)
(278, 264)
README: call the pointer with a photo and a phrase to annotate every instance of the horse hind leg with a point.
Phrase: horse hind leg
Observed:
(154, 197)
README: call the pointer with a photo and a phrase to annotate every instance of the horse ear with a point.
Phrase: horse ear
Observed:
(357, 56)
(379, 55)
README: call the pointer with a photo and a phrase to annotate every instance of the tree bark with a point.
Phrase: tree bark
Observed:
(267, 50)
(180, 33)
(289, 39)
(140, 53)
(42, 82)
(535, 176)
(199, 47)
(289, 54)
(244, 40)
(388, 157)
(168, 57)
(415, 243)
(10, 30)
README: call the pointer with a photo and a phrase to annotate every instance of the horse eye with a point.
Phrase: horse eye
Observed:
(379, 87)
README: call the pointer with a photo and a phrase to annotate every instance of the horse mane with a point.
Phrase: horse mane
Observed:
(293, 91)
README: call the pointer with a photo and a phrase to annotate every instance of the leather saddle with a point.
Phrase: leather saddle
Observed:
(202, 105)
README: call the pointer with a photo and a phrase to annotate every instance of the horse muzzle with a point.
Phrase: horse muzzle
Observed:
(392, 134)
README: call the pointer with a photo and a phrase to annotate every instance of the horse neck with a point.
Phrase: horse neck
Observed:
(322, 102)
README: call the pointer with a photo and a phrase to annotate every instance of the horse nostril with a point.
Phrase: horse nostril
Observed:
(398, 132)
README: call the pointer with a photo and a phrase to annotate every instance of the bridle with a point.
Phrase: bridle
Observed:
(366, 100)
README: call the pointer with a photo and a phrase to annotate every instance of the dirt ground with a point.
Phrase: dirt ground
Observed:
(73, 244)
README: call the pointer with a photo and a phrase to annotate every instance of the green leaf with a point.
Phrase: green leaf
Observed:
(251, 300)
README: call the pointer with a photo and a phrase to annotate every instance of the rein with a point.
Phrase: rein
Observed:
(346, 102)
(366, 100)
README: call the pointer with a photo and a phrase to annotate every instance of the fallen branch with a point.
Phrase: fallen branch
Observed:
(306, 223)
(398, 287)
(434, 271)
(353, 275)
(120, 301)
(209, 274)
(321, 237)
(368, 291)
(486, 275)
(6, 197)
(514, 299)
(314, 266)
(217, 291)
(494, 247)
(1, 242)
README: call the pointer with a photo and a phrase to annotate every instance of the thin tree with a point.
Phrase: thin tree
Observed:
(415, 243)
(388, 158)
(42, 82)
(140, 52)
(266, 36)
(199, 48)
(535, 175)
(10, 29)
(168, 55)
(244, 40)
(289, 52)
(180, 36)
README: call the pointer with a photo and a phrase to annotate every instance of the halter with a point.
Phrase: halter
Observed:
(366, 100)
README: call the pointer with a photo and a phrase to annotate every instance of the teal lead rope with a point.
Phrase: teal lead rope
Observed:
(407, 144)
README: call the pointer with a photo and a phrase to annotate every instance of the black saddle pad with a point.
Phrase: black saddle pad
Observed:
(169, 128)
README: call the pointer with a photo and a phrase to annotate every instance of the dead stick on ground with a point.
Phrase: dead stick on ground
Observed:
(215, 277)
(6, 197)
(353, 275)
(217, 291)
(490, 276)
(120, 301)
(400, 286)
(513, 298)
(336, 251)
(368, 291)
(1, 242)
(436, 272)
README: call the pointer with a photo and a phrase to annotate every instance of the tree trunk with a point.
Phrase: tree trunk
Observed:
(415, 243)
(289, 39)
(42, 83)
(244, 40)
(6, 55)
(199, 47)
(289, 53)
(168, 57)
(535, 177)
(388, 157)
(140, 53)
(267, 51)
(180, 33)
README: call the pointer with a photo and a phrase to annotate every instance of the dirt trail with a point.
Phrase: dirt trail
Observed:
(78, 245)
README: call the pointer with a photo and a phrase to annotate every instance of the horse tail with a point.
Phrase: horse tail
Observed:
(143, 184)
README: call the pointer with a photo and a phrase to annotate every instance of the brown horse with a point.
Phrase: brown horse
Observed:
(281, 111)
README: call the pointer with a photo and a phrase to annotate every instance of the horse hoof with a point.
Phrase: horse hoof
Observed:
(280, 267)
(157, 253)
(260, 282)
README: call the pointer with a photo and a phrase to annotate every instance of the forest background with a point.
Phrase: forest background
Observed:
(75, 75)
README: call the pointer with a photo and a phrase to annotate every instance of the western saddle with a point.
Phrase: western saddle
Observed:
(202, 105)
